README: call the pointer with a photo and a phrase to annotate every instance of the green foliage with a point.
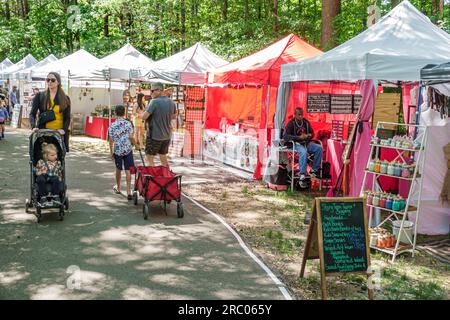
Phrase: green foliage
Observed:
(160, 28)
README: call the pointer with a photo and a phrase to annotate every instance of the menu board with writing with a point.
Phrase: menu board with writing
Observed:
(343, 232)
(318, 103)
(338, 236)
(341, 104)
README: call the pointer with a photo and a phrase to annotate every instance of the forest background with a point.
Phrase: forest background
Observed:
(159, 28)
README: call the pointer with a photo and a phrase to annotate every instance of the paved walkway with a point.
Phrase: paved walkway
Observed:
(118, 253)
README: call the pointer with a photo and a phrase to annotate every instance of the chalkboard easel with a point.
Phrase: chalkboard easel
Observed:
(338, 237)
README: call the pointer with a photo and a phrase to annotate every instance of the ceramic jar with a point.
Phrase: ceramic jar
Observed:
(377, 166)
(369, 198)
(384, 167)
(406, 171)
(371, 165)
(382, 202)
(376, 200)
(389, 203)
(397, 170)
(391, 169)
(396, 204)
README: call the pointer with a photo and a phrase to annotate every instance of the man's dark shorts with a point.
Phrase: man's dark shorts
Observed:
(124, 162)
(155, 147)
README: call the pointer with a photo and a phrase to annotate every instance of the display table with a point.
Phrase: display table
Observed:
(334, 153)
(238, 150)
(97, 127)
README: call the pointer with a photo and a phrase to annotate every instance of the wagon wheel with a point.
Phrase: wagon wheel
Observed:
(180, 210)
(61, 213)
(146, 210)
(135, 198)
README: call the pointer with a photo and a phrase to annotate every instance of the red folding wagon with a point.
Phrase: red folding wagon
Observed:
(157, 183)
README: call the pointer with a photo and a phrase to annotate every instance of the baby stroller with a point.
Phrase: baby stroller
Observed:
(50, 201)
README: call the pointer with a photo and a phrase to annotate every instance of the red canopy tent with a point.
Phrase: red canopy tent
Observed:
(245, 91)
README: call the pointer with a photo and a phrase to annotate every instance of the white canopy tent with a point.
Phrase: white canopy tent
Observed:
(186, 67)
(26, 73)
(396, 48)
(26, 62)
(81, 62)
(125, 61)
(120, 66)
(78, 62)
(5, 64)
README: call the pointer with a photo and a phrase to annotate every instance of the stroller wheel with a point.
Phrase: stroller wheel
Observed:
(61, 213)
(38, 214)
(180, 210)
(135, 198)
(146, 211)
(66, 203)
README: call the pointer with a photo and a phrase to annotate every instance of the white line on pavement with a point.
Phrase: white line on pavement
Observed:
(280, 285)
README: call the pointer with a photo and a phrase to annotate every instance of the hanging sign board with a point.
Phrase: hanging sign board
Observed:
(357, 100)
(338, 236)
(318, 103)
(341, 104)
(16, 116)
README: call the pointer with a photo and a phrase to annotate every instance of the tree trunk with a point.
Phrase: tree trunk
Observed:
(247, 11)
(438, 7)
(330, 10)
(225, 10)
(259, 9)
(183, 24)
(274, 16)
(7, 10)
(106, 25)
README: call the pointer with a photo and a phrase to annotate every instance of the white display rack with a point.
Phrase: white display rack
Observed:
(417, 156)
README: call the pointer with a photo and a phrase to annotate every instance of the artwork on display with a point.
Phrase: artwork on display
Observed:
(16, 116)
(235, 150)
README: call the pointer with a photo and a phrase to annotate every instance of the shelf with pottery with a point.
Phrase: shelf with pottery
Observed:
(407, 165)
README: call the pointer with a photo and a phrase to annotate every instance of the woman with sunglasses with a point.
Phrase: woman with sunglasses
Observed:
(52, 99)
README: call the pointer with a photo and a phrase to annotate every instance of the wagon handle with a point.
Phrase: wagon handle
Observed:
(142, 157)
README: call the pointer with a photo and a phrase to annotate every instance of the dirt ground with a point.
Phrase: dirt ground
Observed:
(273, 225)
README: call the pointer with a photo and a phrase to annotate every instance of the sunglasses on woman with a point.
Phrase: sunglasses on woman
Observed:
(51, 80)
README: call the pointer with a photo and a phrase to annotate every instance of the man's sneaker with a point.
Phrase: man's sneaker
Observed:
(302, 183)
(313, 173)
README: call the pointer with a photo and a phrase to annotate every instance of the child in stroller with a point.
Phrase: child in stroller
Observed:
(48, 188)
(48, 170)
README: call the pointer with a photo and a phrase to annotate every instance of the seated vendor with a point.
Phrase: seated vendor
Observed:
(299, 130)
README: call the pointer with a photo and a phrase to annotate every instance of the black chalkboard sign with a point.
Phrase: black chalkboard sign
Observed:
(318, 103)
(343, 236)
(338, 236)
(341, 104)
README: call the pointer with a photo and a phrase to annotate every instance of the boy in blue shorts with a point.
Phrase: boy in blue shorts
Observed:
(121, 142)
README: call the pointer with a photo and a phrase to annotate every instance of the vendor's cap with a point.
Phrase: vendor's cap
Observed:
(157, 85)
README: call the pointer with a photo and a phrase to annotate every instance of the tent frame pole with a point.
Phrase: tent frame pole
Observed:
(109, 96)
